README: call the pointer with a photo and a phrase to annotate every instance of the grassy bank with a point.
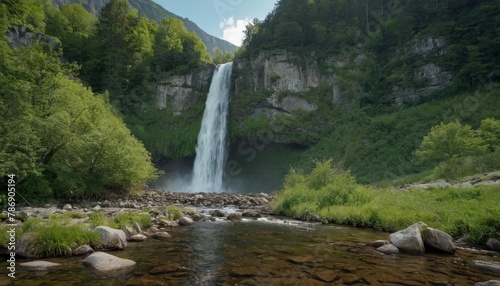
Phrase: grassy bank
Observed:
(334, 195)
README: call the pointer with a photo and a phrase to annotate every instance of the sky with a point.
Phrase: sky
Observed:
(225, 19)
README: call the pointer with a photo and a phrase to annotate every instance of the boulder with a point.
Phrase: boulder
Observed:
(81, 250)
(137, 237)
(23, 246)
(409, 239)
(379, 243)
(493, 244)
(185, 221)
(112, 238)
(488, 266)
(252, 213)
(388, 249)
(137, 227)
(67, 207)
(103, 262)
(39, 265)
(236, 216)
(198, 216)
(162, 235)
(96, 208)
(439, 240)
(488, 283)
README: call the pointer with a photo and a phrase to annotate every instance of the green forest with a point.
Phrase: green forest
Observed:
(78, 115)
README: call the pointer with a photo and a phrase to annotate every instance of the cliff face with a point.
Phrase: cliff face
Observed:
(182, 91)
(20, 36)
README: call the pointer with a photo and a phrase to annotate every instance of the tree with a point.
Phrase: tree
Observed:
(449, 140)
(222, 57)
(489, 131)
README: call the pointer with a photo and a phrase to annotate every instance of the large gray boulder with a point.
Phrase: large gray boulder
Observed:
(438, 240)
(409, 239)
(103, 262)
(185, 221)
(112, 238)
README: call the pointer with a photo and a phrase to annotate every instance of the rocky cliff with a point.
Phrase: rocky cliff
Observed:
(20, 36)
(179, 92)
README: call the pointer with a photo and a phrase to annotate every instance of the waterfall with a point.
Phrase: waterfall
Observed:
(211, 150)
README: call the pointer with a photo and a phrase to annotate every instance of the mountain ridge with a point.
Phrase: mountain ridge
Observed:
(154, 11)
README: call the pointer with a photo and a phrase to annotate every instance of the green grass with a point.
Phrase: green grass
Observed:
(174, 212)
(97, 219)
(336, 197)
(128, 218)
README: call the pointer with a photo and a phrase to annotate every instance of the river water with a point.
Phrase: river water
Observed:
(269, 252)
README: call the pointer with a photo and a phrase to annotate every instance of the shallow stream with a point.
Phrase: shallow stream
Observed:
(268, 252)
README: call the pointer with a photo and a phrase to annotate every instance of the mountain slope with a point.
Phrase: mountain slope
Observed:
(156, 12)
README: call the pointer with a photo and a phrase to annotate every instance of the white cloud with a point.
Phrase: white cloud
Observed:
(233, 31)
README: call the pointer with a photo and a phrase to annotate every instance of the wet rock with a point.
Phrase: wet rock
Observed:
(162, 235)
(379, 243)
(185, 221)
(103, 262)
(67, 207)
(251, 213)
(388, 249)
(236, 216)
(219, 213)
(137, 237)
(300, 259)
(438, 240)
(197, 217)
(326, 275)
(493, 244)
(351, 279)
(137, 227)
(488, 266)
(409, 239)
(488, 283)
(39, 265)
(128, 230)
(153, 229)
(315, 218)
(112, 238)
(81, 250)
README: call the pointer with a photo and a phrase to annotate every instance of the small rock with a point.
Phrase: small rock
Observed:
(185, 221)
(388, 249)
(379, 243)
(218, 213)
(251, 213)
(39, 265)
(197, 217)
(162, 235)
(137, 227)
(103, 262)
(81, 250)
(67, 207)
(128, 230)
(493, 244)
(488, 266)
(236, 216)
(137, 237)
(97, 208)
(488, 283)
(314, 218)
(106, 204)
(153, 229)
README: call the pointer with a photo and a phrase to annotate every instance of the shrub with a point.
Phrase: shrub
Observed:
(174, 211)
(128, 218)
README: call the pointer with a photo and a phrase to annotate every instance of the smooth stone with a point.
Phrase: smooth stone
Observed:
(493, 244)
(198, 216)
(97, 208)
(379, 243)
(161, 235)
(137, 227)
(439, 240)
(67, 207)
(236, 216)
(388, 249)
(128, 230)
(81, 250)
(104, 262)
(251, 213)
(488, 266)
(488, 283)
(39, 265)
(185, 221)
(218, 213)
(112, 238)
(137, 237)
(409, 239)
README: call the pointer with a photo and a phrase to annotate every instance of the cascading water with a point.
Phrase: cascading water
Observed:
(211, 151)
